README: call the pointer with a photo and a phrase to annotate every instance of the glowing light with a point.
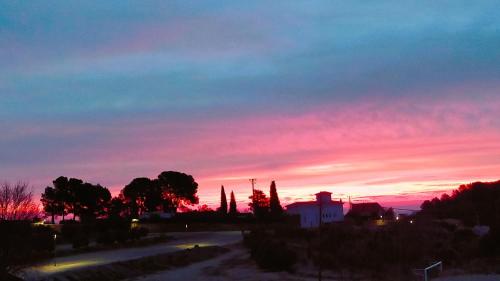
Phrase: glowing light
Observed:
(192, 245)
(66, 266)
(411, 221)
(135, 220)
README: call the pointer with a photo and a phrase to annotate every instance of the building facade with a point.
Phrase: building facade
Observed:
(323, 210)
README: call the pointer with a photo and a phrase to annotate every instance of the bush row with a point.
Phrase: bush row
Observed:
(268, 253)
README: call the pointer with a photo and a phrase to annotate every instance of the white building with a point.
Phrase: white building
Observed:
(310, 211)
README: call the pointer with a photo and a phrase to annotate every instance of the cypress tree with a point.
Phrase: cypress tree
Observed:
(274, 201)
(232, 205)
(223, 201)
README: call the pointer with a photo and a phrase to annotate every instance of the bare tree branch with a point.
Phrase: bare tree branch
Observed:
(16, 202)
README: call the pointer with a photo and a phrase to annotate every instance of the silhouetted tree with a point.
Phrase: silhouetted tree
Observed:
(223, 201)
(73, 204)
(16, 202)
(52, 203)
(116, 207)
(142, 195)
(232, 205)
(274, 202)
(91, 200)
(178, 189)
(63, 194)
(259, 204)
(82, 199)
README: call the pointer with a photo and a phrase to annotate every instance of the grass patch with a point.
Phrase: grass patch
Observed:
(129, 244)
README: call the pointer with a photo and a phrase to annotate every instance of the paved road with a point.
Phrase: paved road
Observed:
(182, 240)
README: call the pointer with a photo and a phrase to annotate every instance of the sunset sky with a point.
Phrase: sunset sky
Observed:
(378, 100)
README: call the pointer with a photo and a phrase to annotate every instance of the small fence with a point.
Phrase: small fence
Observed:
(425, 272)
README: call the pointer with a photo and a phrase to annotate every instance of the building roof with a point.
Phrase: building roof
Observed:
(366, 208)
(312, 203)
(323, 192)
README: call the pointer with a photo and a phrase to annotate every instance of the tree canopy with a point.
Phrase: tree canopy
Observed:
(52, 203)
(475, 203)
(142, 195)
(178, 189)
(259, 203)
(84, 200)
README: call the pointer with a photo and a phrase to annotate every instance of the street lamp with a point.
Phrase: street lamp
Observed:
(55, 246)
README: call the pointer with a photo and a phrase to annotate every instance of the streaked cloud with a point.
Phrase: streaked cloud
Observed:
(357, 98)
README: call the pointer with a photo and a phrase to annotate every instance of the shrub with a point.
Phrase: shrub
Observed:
(102, 225)
(105, 237)
(275, 256)
(489, 245)
(121, 236)
(80, 240)
(20, 243)
(70, 230)
(137, 233)
(269, 254)
(42, 239)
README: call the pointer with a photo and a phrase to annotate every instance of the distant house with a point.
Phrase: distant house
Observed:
(311, 211)
(366, 210)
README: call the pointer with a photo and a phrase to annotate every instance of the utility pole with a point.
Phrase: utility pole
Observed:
(320, 266)
(253, 181)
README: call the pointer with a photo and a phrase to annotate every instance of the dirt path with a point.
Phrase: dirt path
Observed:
(82, 261)
(235, 265)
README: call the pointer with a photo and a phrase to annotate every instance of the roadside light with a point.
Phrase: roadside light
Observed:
(135, 220)
(380, 217)
(411, 221)
(55, 237)
(186, 227)
(397, 218)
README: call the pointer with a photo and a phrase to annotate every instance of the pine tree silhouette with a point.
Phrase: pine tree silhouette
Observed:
(223, 201)
(232, 205)
(274, 201)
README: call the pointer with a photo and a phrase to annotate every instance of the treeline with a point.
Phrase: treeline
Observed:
(266, 207)
(261, 206)
(87, 201)
(475, 203)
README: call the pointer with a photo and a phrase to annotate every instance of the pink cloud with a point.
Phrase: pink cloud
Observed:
(363, 149)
